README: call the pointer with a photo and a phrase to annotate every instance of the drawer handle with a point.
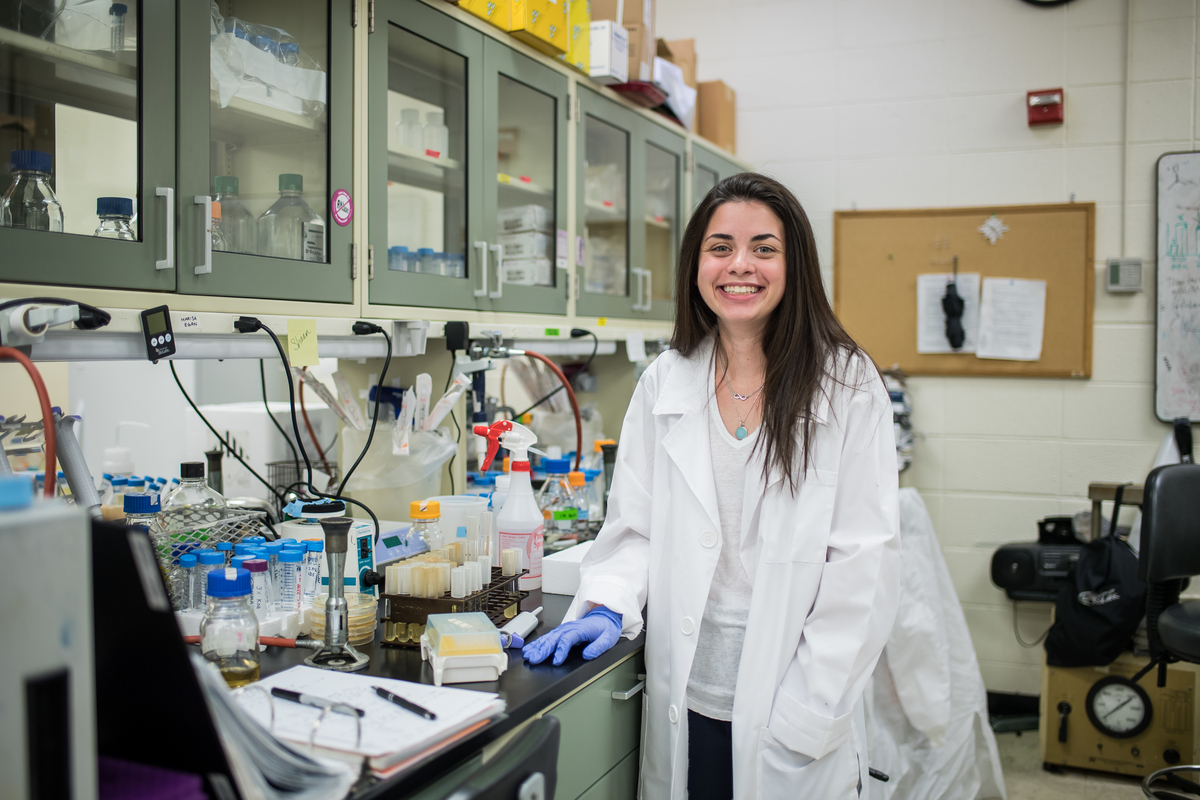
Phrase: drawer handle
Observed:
(629, 695)
(169, 193)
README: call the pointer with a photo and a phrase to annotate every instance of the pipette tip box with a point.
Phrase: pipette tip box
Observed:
(463, 648)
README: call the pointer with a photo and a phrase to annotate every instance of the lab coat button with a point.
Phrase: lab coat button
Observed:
(673, 713)
(708, 538)
(687, 626)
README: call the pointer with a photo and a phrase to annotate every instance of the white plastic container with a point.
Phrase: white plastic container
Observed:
(520, 521)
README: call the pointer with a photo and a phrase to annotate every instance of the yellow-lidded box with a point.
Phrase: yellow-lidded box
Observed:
(541, 24)
(464, 634)
(496, 12)
(579, 23)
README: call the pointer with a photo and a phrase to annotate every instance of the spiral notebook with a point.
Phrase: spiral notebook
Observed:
(390, 734)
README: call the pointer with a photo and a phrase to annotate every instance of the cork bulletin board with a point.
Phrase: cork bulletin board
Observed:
(877, 256)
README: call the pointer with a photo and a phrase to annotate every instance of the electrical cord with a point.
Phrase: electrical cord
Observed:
(387, 359)
(1017, 633)
(458, 430)
(262, 373)
(94, 318)
(575, 333)
(250, 325)
(309, 427)
(570, 396)
(228, 447)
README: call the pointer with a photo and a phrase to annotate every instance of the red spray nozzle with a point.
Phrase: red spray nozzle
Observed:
(492, 433)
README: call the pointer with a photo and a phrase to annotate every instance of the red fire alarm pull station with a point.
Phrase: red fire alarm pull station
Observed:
(1045, 107)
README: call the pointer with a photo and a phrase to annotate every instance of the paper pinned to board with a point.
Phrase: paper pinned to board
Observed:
(931, 319)
(635, 345)
(1012, 319)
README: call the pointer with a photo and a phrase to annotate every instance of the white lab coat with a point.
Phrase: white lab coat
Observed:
(824, 565)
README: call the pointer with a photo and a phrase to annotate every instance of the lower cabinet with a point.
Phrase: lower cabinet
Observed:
(598, 750)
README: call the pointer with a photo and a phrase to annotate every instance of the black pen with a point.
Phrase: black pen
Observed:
(316, 702)
(407, 705)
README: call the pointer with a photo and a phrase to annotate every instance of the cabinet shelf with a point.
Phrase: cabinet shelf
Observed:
(413, 168)
(53, 73)
(516, 192)
(246, 122)
(663, 223)
(597, 214)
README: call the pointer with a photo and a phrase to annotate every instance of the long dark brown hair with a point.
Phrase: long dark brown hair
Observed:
(803, 341)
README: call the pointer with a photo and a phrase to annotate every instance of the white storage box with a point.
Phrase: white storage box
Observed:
(609, 50)
(529, 272)
(560, 571)
(525, 218)
(529, 244)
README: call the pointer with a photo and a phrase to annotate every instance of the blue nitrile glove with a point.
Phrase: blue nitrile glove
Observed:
(600, 626)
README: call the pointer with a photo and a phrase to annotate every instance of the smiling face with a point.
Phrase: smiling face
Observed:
(742, 271)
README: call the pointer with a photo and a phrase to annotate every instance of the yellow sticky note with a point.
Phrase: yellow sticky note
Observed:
(302, 342)
(602, 321)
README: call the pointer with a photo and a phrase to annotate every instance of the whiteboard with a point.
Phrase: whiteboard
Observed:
(1177, 343)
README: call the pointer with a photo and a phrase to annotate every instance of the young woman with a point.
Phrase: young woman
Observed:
(753, 513)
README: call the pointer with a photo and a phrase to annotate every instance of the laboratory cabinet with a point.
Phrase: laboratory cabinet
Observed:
(216, 133)
(468, 167)
(630, 173)
(708, 169)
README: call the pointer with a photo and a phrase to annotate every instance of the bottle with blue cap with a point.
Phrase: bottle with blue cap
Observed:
(30, 203)
(229, 630)
(557, 499)
(186, 590)
(116, 219)
(141, 510)
(116, 14)
(105, 489)
(206, 562)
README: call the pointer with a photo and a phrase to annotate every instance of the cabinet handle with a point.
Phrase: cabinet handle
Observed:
(637, 277)
(648, 300)
(483, 251)
(636, 690)
(498, 249)
(206, 231)
(169, 261)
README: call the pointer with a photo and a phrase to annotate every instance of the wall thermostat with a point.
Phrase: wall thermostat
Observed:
(156, 328)
(1125, 275)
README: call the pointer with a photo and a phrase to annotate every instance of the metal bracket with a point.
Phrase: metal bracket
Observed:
(353, 13)
(370, 16)
(370, 262)
(354, 261)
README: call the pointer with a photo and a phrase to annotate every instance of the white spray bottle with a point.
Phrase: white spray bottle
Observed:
(520, 520)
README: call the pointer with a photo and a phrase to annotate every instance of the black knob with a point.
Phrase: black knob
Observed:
(1135, 752)
(1064, 710)
(1171, 755)
(371, 578)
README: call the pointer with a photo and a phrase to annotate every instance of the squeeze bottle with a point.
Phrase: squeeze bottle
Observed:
(520, 521)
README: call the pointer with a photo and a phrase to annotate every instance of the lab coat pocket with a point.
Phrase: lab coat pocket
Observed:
(786, 774)
(797, 529)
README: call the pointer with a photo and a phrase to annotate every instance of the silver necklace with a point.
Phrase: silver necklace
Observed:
(741, 432)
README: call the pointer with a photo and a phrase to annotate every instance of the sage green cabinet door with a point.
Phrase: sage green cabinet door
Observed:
(89, 113)
(709, 169)
(660, 171)
(525, 206)
(605, 162)
(427, 170)
(265, 144)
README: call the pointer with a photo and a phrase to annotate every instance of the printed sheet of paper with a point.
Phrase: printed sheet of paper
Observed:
(931, 319)
(1012, 318)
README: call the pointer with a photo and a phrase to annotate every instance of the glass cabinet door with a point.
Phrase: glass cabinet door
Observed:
(87, 150)
(704, 178)
(265, 142)
(425, 124)
(525, 206)
(708, 169)
(662, 192)
(607, 134)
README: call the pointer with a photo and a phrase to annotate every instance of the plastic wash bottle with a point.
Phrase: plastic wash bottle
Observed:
(520, 521)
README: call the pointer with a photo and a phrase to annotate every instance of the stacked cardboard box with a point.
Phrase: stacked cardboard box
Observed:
(716, 114)
(579, 37)
(637, 17)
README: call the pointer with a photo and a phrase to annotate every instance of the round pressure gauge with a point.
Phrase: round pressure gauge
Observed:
(1118, 707)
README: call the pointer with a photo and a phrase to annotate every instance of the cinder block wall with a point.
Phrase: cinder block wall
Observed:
(918, 103)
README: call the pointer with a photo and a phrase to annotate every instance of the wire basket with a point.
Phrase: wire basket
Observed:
(404, 617)
(282, 474)
(189, 529)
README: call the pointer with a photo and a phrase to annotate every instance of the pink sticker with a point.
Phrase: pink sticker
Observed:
(342, 207)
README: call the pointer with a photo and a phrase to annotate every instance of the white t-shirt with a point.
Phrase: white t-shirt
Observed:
(723, 627)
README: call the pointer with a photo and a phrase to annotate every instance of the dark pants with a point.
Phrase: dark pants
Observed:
(710, 758)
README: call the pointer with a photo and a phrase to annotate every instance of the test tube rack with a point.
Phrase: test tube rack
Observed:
(404, 617)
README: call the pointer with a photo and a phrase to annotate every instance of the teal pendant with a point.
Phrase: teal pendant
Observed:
(741, 432)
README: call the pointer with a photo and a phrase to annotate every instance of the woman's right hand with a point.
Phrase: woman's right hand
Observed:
(600, 626)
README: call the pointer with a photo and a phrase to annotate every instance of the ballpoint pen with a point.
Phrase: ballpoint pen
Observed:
(316, 702)
(407, 705)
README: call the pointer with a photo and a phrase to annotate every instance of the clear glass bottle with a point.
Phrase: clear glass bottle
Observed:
(238, 227)
(290, 228)
(193, 501)
(435, 136)
(556, 498)
(116, 219)
(426, 263)
(229, 630)
(426, 516)
(30, 203)
(289, 54)
(206, 562)
(141, 510)
(186, 589)
(218, 239)
(408, 129)
(578, 483)
(119, 487)
(117, 12)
